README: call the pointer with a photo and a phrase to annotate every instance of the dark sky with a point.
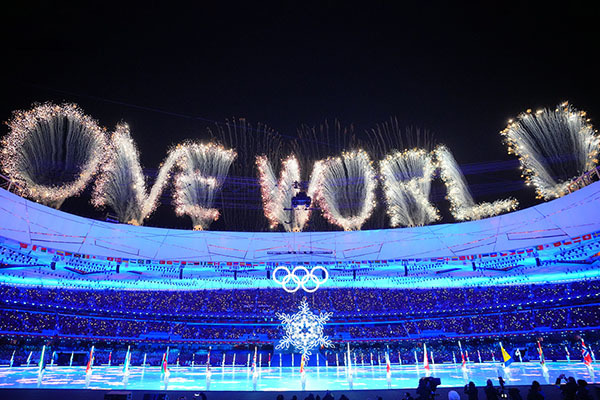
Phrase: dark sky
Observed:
(170, 71)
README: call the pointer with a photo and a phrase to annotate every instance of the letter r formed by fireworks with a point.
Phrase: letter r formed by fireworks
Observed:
(304, 330)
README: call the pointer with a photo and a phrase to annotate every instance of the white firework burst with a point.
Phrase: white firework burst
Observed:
(346, 188)
(553, 146)
(407, 179)
(202, 171)
(52, 151)
(121, 184)
(462, 205)
(277, 194)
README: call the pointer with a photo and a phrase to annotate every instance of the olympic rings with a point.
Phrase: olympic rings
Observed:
(300, 281)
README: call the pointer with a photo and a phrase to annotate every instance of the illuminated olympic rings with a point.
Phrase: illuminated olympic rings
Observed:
(300, 281)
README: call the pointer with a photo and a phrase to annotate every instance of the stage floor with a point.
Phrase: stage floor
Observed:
(286, 378)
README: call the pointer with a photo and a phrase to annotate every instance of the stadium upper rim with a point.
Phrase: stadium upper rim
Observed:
(563, 219)
(554, 241)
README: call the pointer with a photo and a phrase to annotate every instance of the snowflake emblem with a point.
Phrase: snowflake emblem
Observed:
(304, 330)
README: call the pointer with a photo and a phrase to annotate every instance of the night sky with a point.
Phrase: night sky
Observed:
(171, 72)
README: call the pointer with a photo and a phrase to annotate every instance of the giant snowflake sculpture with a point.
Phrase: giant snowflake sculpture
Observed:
(304, 330)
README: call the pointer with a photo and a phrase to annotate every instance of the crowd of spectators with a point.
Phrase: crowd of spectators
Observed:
(248, 315)
(260, 303)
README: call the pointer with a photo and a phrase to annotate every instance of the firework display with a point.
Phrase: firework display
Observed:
(52, 151)
(121, 184)
(407, 182)
(277, 195)
(462, 205)
(346, 189)
(255, 140)
(553, 146)
(390, 136)
(202, 171)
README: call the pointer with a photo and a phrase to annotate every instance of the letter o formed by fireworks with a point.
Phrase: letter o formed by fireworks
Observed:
(52, 151)
(300, 281)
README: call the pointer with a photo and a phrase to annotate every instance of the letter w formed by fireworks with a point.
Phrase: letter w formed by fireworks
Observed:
(304, 330)
(277, 195)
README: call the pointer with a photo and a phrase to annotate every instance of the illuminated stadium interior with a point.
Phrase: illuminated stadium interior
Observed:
(104, 294)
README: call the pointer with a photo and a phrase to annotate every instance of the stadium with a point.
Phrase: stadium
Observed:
(298, 201)
(90, 304)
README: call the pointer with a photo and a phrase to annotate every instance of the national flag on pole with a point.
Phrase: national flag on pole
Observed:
(388, 366)
(90, 363)
(165, 362)
(254, 370)
(425, 359)
(208, 358)
(109, 358)
(541, 353)
(302, 364)
(127, 360)
(41, 363)
(29, 358)
(12, 358)
(585, 352)
(462, 355)
(506, 358)
(350, 362)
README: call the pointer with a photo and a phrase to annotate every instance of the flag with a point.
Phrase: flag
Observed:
(425, 360)
(163, 365)
(165, 362)
(88, 368)
(462, 355)
(388, 367)
(541, 353)
(208, 358)
(254, 370)
(12, 358)
(29, 358)
(109, 358)
(41, 363)
(302, 364)
(349, 361)
(506, 358)
(127, 361)
(585, 352)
